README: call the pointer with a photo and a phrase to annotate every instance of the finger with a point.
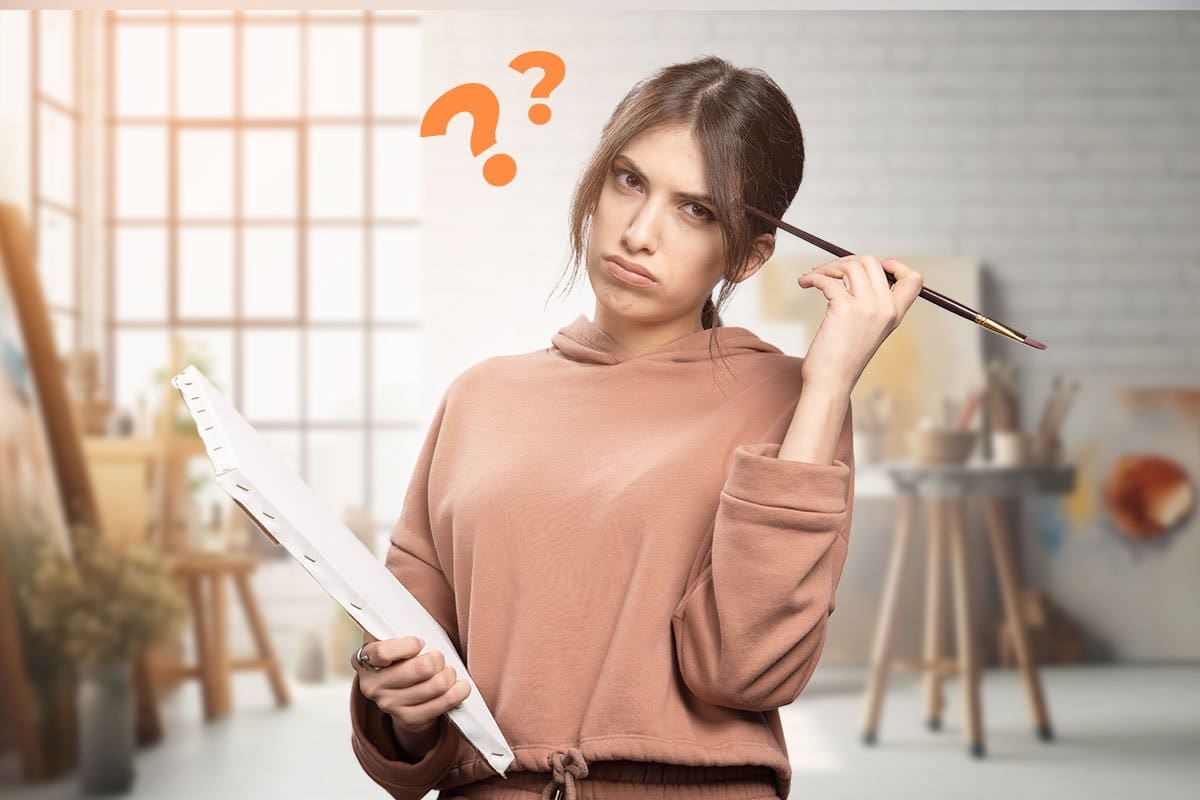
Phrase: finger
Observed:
(430, 688)
(418, 672)
(423, 705)
(857, 279)
(391, 650)
(840, 268)
(898, 269)
(829, 286)
(355, 664)
(876, 275)
(909, 282)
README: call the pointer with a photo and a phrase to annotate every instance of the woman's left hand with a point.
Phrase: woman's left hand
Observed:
(861, 314)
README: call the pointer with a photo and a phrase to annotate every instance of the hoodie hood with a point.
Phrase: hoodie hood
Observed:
(583, 340)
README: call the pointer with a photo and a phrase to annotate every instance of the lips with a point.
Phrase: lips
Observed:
(632, 267)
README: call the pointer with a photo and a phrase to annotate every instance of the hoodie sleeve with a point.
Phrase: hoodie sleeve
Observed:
(750, 628)
(412, 557)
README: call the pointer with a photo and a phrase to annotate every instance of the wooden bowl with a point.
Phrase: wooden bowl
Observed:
(941, 447)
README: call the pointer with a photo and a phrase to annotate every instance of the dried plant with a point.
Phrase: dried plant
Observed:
(105, 602)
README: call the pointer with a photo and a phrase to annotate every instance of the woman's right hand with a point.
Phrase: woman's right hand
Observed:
(414, 691)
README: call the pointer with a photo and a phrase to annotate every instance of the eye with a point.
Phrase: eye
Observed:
(620, 172)
(704, 214)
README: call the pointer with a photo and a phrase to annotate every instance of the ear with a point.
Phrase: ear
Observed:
(761, 249)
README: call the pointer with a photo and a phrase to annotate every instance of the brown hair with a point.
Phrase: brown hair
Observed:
(752, 144)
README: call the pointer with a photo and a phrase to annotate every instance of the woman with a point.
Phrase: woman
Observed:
(635, 560)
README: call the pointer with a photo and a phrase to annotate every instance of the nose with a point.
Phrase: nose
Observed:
(642, 231)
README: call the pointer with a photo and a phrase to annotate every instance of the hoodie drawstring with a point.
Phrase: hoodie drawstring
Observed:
(565, 768)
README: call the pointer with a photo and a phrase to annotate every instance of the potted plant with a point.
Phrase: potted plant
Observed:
(99, 607)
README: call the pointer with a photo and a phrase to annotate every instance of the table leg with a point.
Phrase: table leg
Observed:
(201, 636)
(262, 639)
(934, 565)
(222, 672)
(881, 652)
(969, 664)
(1006, 574)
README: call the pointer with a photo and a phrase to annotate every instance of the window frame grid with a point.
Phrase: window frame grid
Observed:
(238, 123)
(39, 99)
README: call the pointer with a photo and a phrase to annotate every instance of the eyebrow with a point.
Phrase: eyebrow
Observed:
(703, 198)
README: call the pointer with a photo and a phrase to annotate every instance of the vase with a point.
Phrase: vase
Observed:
(106, 728)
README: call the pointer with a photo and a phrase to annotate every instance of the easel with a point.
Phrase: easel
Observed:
(46, 753)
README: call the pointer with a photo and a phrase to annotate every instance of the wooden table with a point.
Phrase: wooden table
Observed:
(198, 571)
(945, 490)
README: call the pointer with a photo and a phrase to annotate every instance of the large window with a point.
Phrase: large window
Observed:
(54, 176)
(263, 205)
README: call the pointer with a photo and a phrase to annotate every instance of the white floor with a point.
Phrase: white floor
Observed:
(1121, 732)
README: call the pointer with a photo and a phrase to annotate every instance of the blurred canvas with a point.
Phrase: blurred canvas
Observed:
(933, 355)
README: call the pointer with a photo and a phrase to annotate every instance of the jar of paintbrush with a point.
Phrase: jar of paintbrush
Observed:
(948, 441)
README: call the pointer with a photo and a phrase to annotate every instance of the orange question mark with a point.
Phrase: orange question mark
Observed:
(553, 68)
(480, 102)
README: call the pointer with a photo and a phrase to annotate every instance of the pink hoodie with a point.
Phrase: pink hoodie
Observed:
(627, 569)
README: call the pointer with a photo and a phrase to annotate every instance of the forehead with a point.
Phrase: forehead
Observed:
(669, 156)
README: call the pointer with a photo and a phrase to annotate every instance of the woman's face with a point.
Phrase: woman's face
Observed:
(654, 211)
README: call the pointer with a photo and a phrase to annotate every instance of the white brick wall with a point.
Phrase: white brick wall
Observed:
(1054, 144)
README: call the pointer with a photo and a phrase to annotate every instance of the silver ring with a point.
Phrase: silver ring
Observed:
(363, 659)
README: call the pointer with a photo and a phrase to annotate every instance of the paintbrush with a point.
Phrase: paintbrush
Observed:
(929, 294)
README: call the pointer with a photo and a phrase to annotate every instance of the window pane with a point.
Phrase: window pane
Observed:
(206, 174)
(142, 360)
(397, 375)
(397, 173)
(269, 273)
(335, 171)
(205, 272)
(141, 273)
(335, 273)
(63, 327)
(335, 468)
(211, 350)
(271, 375)
(396, 289)
(204, 78)
(271, 70)
(56, 60)
(56, 257)
(269, 174)
(56, 161)
(335, 70)
(141, 171)
(335, 375)
(397, 75)
(393, 459)
(141, 69)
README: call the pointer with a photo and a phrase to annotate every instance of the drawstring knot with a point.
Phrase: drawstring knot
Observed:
(565, 768)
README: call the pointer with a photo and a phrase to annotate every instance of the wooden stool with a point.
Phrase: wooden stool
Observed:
(210, 622)
(946, 489)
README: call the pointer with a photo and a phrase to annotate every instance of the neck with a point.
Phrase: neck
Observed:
(640, 337)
